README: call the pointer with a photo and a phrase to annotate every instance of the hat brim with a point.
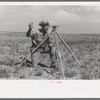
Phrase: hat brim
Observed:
(44, 24)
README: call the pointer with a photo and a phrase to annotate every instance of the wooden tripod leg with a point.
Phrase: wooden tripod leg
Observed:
(68, 48)
(59, 54)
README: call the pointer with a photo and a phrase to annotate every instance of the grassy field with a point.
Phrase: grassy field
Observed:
(14, 46)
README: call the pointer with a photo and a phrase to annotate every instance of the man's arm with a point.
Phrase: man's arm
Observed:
(28, 34)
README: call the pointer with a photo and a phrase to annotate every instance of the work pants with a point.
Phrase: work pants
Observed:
(46, 50)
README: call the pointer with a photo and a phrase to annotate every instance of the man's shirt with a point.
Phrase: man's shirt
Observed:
(38, 37)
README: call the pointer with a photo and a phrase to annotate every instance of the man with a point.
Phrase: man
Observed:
(47, 47)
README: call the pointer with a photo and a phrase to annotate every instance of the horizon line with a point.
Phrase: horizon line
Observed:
(61, 33)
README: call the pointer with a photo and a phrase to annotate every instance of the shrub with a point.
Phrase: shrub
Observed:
(70, 73)
(85, 76)
(4, 73)
(7, 60)
(38, 73)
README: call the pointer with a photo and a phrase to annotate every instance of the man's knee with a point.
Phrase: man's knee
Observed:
(35, 58)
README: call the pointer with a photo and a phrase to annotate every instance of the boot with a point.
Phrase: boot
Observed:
(53, 66)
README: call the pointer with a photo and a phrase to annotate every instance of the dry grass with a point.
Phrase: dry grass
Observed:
(86, 47)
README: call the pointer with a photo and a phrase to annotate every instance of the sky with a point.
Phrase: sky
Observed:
(72, 19)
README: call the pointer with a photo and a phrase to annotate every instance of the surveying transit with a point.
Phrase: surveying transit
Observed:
(57, 35)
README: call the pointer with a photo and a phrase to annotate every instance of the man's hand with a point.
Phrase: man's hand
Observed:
(30, 25)
(54, 28)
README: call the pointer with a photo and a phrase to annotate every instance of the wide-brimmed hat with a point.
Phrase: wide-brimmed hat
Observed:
(44, 23)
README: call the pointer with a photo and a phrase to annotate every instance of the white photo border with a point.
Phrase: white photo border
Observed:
(49, 88)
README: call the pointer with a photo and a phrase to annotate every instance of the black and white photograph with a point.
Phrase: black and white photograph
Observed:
(50, 42)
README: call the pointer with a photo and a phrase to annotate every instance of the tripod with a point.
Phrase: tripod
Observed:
(54, 30)
(58, 49)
